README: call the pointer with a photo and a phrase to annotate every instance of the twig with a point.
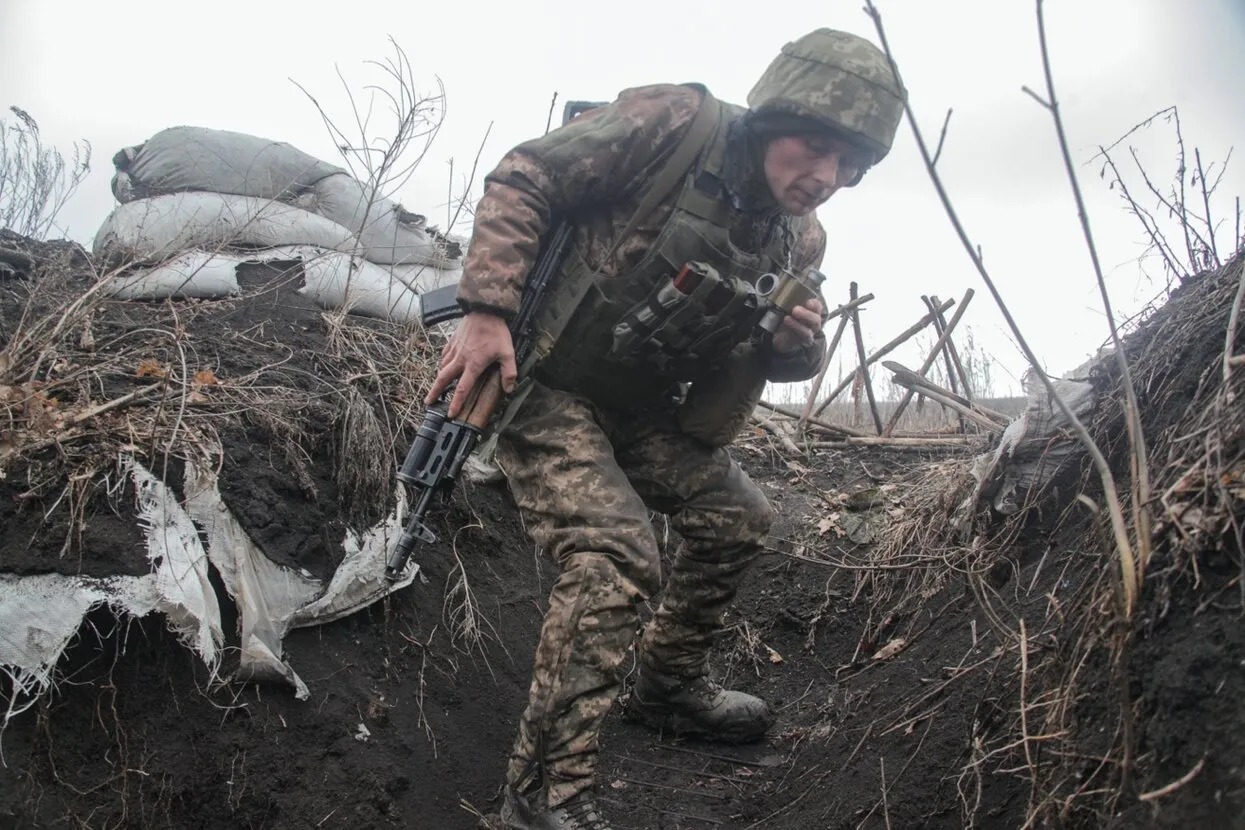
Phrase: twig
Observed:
(941, 319)
(1127, 559)
(942, 136)
(908, 441)
(1154, 795)
(1136, 437)
(940, 326)
(886, 810)
(471, 177)
(924, 384)
(1024, 709)
(907, 378)
(889, 445)
(127, 398)
(782, 410)
(549, 120)
(1178, 208)
(1157, 239)
(859, 744)
(1229, 345)
(821, 374)
(843, 312)
(787, 444)
(1180, 176)
(1210, 226)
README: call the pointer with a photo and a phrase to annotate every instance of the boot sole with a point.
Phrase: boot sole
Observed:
(676, 724)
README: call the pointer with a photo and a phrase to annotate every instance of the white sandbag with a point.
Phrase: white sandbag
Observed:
(183, 159)
(333, 280)
(423, 278)
(197, 158)
(156, 229)
(387, 233)
(199, 274)
(341, 281)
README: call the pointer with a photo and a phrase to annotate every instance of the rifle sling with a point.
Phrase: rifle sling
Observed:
(698, 134)
(574, 290)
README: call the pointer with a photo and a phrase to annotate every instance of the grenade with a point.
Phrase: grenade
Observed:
(784, 291)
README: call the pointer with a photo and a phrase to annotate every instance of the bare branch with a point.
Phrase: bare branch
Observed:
(1137, 443)
(1210, 226)
(1100, 463)
(1035, 96)
(942, 136)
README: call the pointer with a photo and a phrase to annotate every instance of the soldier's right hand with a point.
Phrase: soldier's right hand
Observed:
(481, 340)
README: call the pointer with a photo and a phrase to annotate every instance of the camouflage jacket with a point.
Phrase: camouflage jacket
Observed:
(595, 170)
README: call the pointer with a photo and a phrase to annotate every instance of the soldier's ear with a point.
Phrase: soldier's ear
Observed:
(856, 179)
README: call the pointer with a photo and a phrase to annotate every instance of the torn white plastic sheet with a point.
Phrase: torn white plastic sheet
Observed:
(40, 614)
(1037, 445)
(272, 598)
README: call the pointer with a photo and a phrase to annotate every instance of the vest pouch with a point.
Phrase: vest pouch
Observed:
(719, 404)
(695, 306)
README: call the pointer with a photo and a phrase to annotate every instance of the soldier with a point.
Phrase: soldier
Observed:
(649, 363)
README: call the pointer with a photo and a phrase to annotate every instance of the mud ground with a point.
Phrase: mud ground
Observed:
(409, 723)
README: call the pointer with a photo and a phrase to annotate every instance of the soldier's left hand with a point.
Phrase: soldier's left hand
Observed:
(798, 328)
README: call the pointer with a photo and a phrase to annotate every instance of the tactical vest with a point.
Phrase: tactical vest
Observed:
(628, 340)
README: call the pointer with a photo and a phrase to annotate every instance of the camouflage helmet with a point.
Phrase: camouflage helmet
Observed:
(837, 79)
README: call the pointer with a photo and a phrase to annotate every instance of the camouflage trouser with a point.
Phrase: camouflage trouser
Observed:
(584, 479)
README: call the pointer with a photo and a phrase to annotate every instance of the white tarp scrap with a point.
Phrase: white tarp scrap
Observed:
(1037, 445)
(39, 614)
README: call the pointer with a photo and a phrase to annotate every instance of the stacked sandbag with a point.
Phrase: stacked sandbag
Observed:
(196, 202)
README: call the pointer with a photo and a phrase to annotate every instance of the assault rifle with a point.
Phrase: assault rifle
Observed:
(441, 445)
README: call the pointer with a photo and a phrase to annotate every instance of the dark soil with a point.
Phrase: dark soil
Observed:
(408, 726)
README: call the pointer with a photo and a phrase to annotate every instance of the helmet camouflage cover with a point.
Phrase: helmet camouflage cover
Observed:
(840, 80)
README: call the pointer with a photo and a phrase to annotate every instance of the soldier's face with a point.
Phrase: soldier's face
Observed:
(804, 171)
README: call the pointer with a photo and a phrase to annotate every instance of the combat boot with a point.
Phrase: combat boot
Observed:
(580, 813)
(697, 707)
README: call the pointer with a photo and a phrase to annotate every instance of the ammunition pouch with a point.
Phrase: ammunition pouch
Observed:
(685, 320)
(719, 404)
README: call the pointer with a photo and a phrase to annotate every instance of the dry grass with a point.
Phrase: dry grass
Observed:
(84, 378)
(1061, 642)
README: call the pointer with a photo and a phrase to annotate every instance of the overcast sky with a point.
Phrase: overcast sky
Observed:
(115, 73)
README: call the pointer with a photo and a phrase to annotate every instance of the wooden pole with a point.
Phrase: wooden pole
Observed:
(821, 375)
(955, 359)
(940, 326)
(931, 357)
(904, 376)
(842, 312)
(864, 364)
(883, 352)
